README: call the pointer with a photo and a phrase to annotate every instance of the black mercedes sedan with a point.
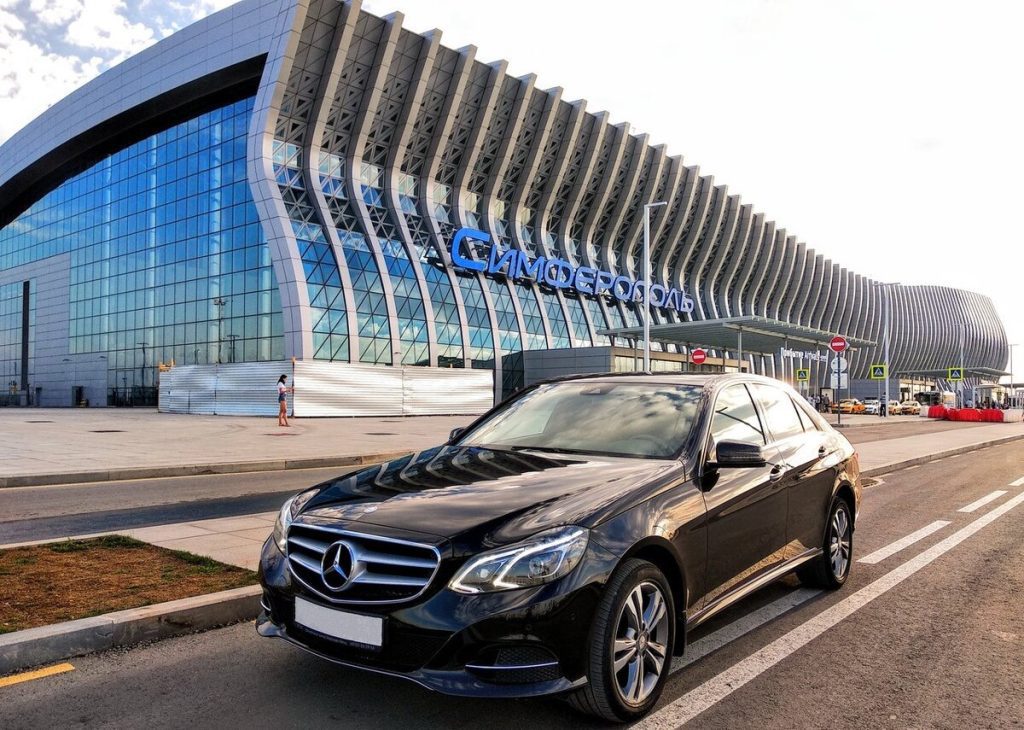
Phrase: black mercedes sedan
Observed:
(567, 540)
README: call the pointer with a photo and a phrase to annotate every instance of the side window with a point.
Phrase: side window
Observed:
(735, 418)
(806, 418)
(779, 411)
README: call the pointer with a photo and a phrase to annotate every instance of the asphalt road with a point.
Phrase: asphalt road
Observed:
(40, 513)
(927, 636)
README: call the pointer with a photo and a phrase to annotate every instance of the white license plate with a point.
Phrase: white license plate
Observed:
(340, 624)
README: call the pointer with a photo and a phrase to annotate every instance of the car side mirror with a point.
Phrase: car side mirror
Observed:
(738, 455)
(456, 432)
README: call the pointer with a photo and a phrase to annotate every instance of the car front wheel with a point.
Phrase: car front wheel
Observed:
(630, 647)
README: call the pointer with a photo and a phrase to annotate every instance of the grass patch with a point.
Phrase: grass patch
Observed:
(62, 581)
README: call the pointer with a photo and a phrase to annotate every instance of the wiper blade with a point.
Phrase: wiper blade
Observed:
(548, 449)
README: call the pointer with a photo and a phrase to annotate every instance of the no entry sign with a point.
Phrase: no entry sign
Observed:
(838, 344)
(698, 356)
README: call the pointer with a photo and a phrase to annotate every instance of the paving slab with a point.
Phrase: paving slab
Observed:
(69, 445)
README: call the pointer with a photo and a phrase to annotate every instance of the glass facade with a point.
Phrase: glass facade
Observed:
(168, 261)
(11, 320)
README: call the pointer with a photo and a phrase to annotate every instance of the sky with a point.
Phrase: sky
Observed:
(886, 134)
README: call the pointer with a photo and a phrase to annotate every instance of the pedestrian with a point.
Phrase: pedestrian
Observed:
(282, 400)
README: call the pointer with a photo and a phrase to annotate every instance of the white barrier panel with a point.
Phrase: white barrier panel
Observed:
(325, 389)
(1013, 415)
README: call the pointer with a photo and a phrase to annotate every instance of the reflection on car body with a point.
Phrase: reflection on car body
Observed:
(567, 540)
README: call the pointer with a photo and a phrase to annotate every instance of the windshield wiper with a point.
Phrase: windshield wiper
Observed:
(548, 449)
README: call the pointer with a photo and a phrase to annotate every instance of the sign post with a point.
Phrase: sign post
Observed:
(838, 345)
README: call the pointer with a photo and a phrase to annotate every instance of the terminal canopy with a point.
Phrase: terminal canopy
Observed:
(750, 333)
(968, 372)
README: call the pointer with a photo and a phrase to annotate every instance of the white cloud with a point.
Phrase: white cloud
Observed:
(103, 26)
(56, 12)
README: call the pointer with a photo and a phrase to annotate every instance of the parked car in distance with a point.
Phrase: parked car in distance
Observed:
(848, 405)
(872, 406)
(567, 540)
(910, 408)
(894, 408)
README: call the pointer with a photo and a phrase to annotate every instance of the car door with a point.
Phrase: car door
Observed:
(809, 474)
(746, 507)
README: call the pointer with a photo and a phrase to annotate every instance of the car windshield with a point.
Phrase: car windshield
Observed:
(614, 419)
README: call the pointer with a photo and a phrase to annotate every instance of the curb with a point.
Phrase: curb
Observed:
(897, 465)
(237, 467)
(45, 644)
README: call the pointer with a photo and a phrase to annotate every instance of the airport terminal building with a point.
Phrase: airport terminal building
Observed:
(302, 181)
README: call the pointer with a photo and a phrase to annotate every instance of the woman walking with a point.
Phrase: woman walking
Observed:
(282, 400)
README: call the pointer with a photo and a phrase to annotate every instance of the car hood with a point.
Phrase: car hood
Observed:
(488, 496)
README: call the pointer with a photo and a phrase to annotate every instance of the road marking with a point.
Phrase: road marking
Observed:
(983, 501)
(740, 627)
(1017, 482)
(36, 674)
(883, 553)
(716, 689)
(915, 466)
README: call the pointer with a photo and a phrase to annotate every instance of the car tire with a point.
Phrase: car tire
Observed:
(630, 692)
(831, 569)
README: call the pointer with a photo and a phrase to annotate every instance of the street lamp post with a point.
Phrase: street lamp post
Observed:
(884, 407)
(647, 282)
(1013, 390)
(220, 303)
(142, 370)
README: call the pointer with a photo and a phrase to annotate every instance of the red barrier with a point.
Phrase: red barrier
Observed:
(937, 412)
(972, 415)
(992, 415)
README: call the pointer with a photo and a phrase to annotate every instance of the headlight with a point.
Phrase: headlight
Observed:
(284, 518)
(543, 558)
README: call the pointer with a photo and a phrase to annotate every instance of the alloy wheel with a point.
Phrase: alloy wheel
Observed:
(640, 649)
(839, 543)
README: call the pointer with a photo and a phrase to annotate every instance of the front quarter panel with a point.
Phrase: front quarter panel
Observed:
(673, 522)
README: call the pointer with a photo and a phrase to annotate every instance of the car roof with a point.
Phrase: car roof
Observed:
(699, 379)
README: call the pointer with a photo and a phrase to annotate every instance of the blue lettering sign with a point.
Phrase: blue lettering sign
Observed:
(561, 274)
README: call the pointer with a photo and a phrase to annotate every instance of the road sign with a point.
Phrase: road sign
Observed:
(955, 375)
(803, 375)
(698, 356)
(838, 344)
(840, 380)
(839, 365)
(878, 372)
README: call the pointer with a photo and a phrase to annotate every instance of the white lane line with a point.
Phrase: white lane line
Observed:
(742, 626)
(983, 501)
(883, 553)
(716, 689)
(1017, 482)
(916, 466)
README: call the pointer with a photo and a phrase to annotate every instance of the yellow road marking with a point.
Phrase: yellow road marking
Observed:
(37, 674)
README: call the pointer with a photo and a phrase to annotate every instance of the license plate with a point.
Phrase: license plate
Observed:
(340, 624)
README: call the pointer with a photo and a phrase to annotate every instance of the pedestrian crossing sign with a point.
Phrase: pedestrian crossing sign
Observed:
(879, 372)
(803, 375)
(955, 375)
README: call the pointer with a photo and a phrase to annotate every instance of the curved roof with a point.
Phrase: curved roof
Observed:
(209, 55)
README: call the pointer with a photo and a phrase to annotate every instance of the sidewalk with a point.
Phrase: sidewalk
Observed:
(67, 445)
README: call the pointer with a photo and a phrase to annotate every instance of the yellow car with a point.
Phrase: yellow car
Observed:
(910, 408)
(894, 408)
(848, 405)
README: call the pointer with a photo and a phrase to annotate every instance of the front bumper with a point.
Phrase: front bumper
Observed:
(520, 643)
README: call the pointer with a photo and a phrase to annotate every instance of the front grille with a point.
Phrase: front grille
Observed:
(360, 568)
